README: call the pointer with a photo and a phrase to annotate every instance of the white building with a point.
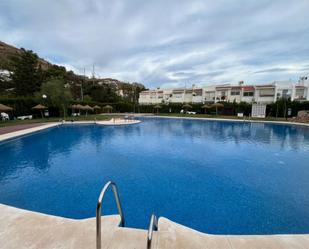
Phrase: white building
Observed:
(4, 75)
(263, 94)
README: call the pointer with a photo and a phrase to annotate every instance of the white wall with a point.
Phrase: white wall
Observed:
(210, 92)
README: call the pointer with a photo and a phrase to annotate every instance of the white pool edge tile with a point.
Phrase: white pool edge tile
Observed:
(23, 132)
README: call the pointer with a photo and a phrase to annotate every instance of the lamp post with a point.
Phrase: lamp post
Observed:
(44, 97)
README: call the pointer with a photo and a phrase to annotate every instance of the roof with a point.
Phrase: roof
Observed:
(265, 86)
(248, 88)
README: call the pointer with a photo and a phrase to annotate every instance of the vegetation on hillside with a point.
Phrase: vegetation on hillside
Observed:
(31, 77)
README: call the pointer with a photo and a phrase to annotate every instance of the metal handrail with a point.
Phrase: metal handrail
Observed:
(99, 207)
(153, 226)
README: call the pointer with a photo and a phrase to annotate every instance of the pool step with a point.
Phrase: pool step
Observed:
(130, 238)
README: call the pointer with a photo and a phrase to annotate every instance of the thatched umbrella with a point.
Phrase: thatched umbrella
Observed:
(87, 108)
(108, 108)
(40, 108)
(157, 107)
(217, 105)
(5, 108)
(187, 106)
(206, 107)
(96, 107)
(73, 107)
(79, 107)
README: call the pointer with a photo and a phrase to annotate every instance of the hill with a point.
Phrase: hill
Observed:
(123, 89)
(7, 52)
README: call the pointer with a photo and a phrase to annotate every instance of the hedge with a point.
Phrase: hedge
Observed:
(230, 108)
(23, 105)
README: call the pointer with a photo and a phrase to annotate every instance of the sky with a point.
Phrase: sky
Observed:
(165, 43)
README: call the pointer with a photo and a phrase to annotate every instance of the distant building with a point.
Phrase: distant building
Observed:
(263, 94)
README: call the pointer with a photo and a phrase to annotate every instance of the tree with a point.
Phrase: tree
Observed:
(26, 74)
(55, 71)
(103, 93)
(56, 94)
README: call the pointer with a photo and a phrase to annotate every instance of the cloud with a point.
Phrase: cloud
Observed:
(165, 43)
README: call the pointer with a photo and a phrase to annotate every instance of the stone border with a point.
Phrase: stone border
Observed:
(20, 133)
(27, 131)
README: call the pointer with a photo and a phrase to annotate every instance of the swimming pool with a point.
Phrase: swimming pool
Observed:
(216, 177)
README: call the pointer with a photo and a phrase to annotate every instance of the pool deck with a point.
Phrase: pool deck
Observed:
(8, 129)
(25, 229)
(21, 130)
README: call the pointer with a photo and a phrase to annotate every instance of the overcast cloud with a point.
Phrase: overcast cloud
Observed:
(166, 43)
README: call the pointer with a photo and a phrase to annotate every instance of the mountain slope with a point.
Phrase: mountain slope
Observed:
(6, 53)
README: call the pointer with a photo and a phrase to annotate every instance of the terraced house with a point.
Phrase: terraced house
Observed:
(266, 93)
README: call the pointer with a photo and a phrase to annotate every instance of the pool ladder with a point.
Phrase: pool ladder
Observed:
(99, 210)
(153, 226)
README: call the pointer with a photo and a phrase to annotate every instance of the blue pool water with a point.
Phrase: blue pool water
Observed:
(216, 177)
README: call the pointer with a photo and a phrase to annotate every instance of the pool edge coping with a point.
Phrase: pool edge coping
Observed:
(27, 131)
(233, 120)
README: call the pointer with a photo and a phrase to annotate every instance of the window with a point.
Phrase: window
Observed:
(299, 92)
(198, 92)
(233, 93)
(285, 93)
(209, 95)
(177, 96)
(267, 92)
(248, 94)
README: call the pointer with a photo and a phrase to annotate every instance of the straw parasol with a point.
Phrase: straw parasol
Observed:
(5, 108)
(96, 107)
(79, 107)
(206, 107)
(40, 108)
(108, 108)
(187, 106)
(87, 108)
(157, 107)
(217, 105)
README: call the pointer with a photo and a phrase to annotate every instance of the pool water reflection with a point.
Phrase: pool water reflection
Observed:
(216, 177)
